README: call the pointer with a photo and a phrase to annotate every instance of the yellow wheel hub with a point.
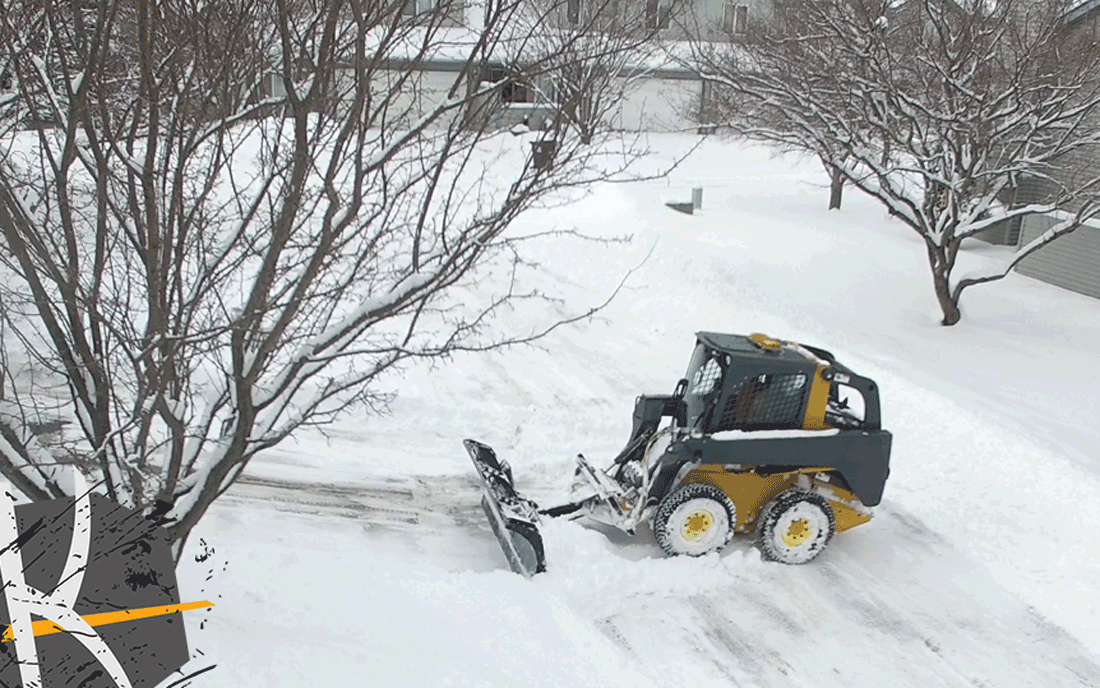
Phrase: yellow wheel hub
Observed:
(796, 533)
(696, 524)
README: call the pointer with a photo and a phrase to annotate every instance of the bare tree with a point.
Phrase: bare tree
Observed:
(935, 108)
(599, 54)
(743, 117)
(207, 278)
(740, 39)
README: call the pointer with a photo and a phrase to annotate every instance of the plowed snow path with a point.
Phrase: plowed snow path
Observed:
(371, 580)
(886, 606)
(890, 603)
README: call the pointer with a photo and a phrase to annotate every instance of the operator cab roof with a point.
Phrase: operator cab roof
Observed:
(741, 345)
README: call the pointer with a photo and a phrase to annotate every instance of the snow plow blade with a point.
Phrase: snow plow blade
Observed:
(514, 520)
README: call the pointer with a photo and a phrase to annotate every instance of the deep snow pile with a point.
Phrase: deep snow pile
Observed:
(992, 484)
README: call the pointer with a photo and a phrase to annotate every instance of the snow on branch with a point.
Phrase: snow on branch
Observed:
(251, 217)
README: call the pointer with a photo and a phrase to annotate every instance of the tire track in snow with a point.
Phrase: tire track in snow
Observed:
(895, 597)
(732, 641)
(914, 611)
(660, 637)
(893, 605)
(611, 630)
(390, 502)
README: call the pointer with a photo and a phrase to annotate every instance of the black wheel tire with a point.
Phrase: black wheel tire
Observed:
(693, 520)
(795, 527)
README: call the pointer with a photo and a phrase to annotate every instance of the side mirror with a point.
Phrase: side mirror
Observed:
(681, 388)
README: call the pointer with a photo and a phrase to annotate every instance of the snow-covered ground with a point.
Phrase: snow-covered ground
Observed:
(362, 557)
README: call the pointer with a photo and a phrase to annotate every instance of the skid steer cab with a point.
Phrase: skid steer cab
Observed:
(761, 436)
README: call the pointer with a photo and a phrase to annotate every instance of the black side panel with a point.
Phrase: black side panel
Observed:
(863, 458)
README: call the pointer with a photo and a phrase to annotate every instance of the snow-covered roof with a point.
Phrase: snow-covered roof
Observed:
(448, 48)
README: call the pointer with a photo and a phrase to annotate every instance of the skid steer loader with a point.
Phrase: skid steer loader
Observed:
(764, 436)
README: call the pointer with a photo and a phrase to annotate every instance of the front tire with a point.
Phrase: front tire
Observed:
(693, 520)
(795, 527)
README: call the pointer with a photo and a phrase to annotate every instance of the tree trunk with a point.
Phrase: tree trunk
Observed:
(836, 188)
(948, 304)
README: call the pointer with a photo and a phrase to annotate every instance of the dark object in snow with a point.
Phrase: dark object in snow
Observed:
(542, 153)
(764, 436)
(686, 208)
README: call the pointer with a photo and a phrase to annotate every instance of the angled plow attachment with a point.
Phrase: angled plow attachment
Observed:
(514, 520)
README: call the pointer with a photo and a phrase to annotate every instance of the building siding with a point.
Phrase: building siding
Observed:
(1071, 261)
(654, 104)
(1083, 165)
(1007, 232)
(704, 18)
(410, 95)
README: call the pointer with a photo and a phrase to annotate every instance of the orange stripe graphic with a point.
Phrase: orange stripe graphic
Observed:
(45, 627)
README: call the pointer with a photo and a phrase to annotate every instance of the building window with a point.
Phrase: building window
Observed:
(573, 12)
(735, 19)
(513, 90)
(657, 15)
(414, 7)
(273, 85)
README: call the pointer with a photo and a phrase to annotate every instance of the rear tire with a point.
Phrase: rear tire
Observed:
(693, 520)
(795, 527)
